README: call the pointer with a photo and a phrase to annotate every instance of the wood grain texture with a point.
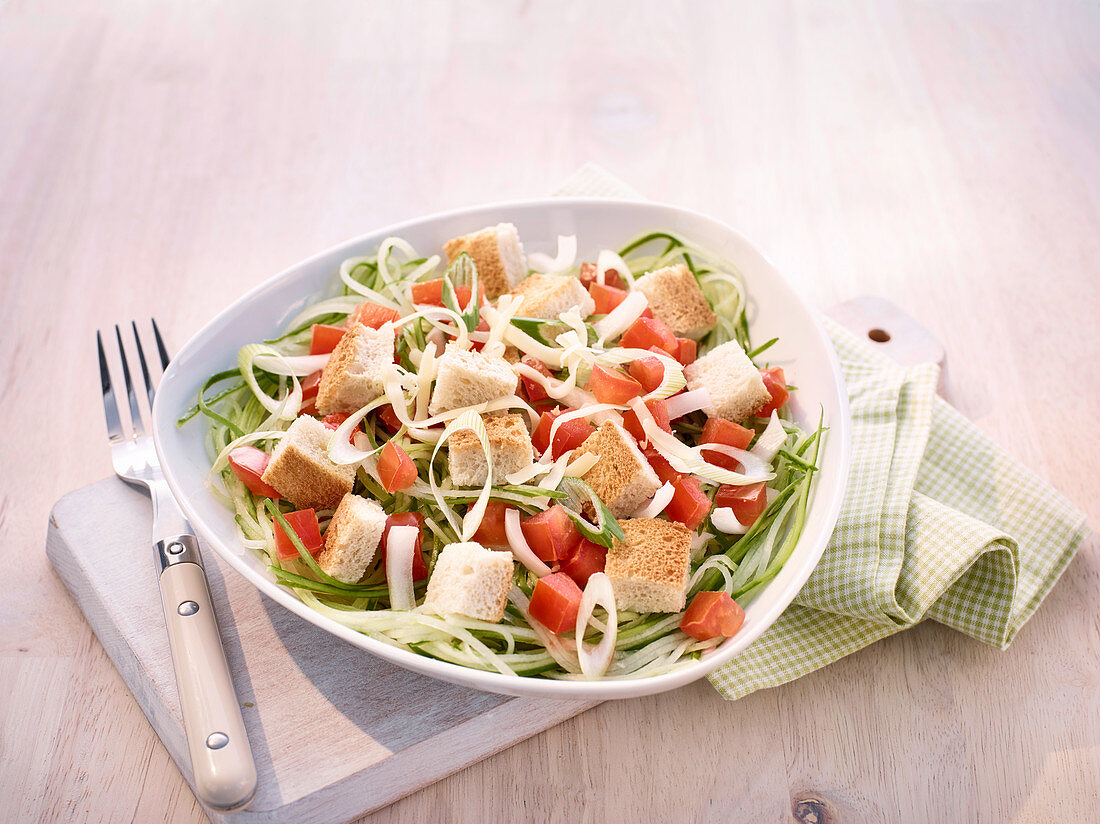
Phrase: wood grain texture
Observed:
(164, 158)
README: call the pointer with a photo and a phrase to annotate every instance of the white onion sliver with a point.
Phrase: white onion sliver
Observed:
(400, 546)
(519, 546)
(594, 662)
(580, 465)
(725, 521)
(618, 320)
(340, 451)
(657, 505)
(771, 440)
(611, 260)
(567, 255)
(750, 463)
(687, 402)
(299, 365)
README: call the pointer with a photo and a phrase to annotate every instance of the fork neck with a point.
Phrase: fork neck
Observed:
(168, 521)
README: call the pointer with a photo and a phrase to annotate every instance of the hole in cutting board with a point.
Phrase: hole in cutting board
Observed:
(879, 335)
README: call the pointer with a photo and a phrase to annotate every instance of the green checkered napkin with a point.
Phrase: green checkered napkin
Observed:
(937, 523)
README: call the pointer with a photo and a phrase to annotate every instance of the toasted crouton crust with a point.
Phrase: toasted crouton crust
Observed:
(301, 470)
(509, 446)
(353, 376)
(734, 384)
(497, 253)
(649, 572)
(352, 538)
(675, 297)
(469, 579)
(547, 296)
(622, 477)
(465, 377)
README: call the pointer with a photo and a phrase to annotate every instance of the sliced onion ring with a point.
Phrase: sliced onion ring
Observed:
(595, 661)
(519, 546)
(687, 402)
(400, 546)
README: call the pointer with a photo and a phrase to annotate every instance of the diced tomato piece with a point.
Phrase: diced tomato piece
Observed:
(396, 469)
(552, 535)
(649, 372)
(748, 502)
(491, 532)
(388, 418)
(570, 434)
(689, 505)
(647, 313)
(646, 332)
(305, 526)
(535, 390)
(611, 277)
(310, 384)
(661, 466)
(659, 412)
(712, 614)
(587, 559)
(325, 338)
(688, 351)
(430, 292)
(719, 430)
(372, 315)
(420, 569)
(556, 602)
(248, 463)
(612, 386)
(606, 298)
(776, 385)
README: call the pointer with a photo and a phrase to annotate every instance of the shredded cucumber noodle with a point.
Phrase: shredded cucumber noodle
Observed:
(254, 404)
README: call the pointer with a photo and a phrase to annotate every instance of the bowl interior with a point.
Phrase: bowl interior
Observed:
(803, 350)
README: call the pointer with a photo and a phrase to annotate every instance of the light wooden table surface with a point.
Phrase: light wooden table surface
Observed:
(160, 159)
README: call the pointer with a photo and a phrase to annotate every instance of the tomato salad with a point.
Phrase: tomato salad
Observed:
(569, 470)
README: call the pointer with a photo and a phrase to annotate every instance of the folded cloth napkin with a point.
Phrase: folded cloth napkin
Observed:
(937, 522)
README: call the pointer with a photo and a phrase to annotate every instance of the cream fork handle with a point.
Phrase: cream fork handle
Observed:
(225, 773)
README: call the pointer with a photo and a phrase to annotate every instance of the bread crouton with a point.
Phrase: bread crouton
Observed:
(301, 470)
(469, 579)
(733, 382)
(509, 446)
(465, 377)
(547, 296)
(675, 297)
(353, 376)
(622, 477)
(649, 571)
(352, 538)
(498, 255)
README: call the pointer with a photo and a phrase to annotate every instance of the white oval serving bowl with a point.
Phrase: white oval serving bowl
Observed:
(775, 310)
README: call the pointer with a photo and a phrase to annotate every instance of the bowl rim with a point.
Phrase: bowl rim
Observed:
(492, 681)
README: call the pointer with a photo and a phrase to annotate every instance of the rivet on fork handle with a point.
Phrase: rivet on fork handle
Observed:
(181, 549)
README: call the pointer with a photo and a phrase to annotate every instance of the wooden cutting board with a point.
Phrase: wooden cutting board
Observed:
(335, 732)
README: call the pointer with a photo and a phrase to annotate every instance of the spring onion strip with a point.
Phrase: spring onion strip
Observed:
(519, 546)
(400, 547)
(597, 592)
(222, 460)
(608, 259)
(346, 268)
(331, 306)
(299, 365)
(725, 521)
(654, 507)
(773, 437)
(287, 407)
(619, 319)
(472, 519)
(687, 402)
(673, 380)
(425, 374)
(563, 262)
(606, 528)
(340, 450)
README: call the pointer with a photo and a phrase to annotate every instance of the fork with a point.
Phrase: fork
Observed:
(221, 759)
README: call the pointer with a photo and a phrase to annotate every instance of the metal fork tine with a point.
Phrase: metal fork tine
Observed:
(135, 411)
(144, 366)
(160, 345)
(110, 406)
